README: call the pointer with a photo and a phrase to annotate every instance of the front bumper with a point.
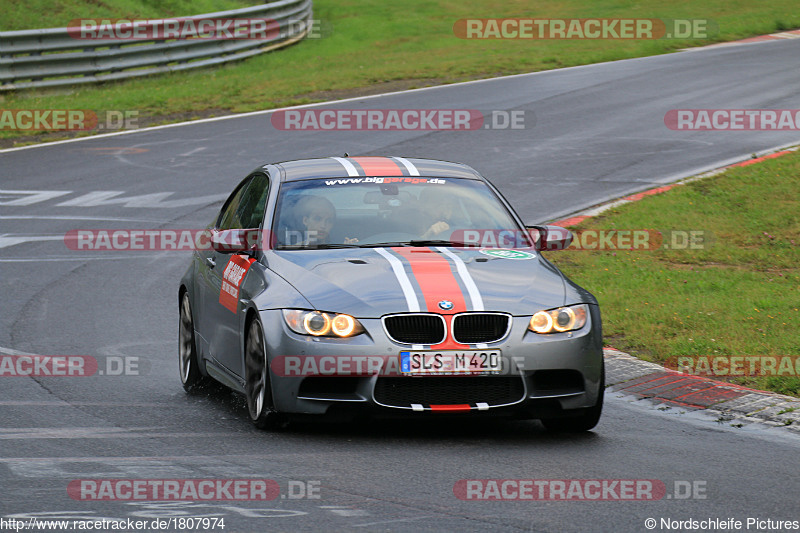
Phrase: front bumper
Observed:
(543, 376)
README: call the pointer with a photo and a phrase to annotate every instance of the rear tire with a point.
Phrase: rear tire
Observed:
(258, 389)
(584, 422)
(188, 363)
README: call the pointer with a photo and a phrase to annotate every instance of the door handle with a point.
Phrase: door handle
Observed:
(210, 262)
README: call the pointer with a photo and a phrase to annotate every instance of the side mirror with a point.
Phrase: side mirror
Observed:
(234, 241)
(548, 237)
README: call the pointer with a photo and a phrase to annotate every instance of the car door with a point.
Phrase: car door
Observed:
(225, 272)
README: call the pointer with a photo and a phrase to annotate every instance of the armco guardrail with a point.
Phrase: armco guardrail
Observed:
(52, 57)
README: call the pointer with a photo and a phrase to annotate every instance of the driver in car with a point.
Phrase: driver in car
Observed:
(318, 216)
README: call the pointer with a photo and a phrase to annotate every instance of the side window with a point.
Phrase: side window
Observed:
(246, 206)
(253, 204)
(227, 216)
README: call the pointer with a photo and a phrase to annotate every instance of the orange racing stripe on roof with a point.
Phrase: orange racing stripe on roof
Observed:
(378, 166)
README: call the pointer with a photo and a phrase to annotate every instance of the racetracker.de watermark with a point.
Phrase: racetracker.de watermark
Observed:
(444, 362)
(67, 120)
(735, 365)
(71, 366)
(587, 239)
(192, 490)
(211, 28)
(401, 120)
(159, 240)
(588, 28)
(144, 239)
(733, 119)
(578, 489)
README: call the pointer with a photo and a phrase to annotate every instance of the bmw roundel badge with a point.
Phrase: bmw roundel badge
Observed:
(446, 305)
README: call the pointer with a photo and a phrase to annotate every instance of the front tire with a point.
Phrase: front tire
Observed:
(584, 422)
(258, 390)
(188, 363)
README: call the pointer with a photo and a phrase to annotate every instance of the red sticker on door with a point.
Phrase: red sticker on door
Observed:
(232, 278)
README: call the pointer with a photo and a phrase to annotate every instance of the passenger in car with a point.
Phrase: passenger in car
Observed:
(441, 207)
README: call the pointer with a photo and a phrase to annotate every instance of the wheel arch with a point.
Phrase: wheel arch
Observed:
(250, 314)
(183, 289)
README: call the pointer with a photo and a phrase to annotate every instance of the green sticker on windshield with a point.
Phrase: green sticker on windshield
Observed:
(507, 254)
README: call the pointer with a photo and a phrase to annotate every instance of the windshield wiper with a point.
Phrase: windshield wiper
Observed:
(411, 243)
(382, 244)
(330, 245)
(418, 243)
(441, 242)
(323, 246)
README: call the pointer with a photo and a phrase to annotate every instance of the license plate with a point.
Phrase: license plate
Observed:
(451, 362)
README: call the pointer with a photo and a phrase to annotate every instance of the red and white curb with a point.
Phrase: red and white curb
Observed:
(632, 376)
(734, 404)
(792, 34)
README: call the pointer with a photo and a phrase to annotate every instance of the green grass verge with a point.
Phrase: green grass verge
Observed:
(34, 14)
(374, 44)
(740, 296)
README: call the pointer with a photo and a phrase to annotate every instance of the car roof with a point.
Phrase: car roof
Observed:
(343, 167)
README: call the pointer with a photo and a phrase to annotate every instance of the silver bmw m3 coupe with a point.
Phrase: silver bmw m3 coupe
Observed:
(385, 287)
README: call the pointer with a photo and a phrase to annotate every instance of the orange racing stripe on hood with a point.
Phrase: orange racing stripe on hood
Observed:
(437, 281)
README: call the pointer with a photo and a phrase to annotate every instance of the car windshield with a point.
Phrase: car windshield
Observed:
(374, 211)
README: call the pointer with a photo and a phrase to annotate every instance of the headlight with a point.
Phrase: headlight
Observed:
(321, 324)
(559, 320)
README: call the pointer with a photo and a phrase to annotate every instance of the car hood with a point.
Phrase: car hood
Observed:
(372, 282)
